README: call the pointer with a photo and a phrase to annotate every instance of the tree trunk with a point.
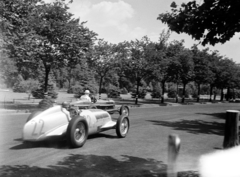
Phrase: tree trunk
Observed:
(137, 92)
(231, 135)
(47, 71)
(177, 94)
(222, 95)
(228, 94)
(69, 83)
(211, 92)
(100, 87)
(198, 97)
(183, 94)
(163, 91)
(60, 84)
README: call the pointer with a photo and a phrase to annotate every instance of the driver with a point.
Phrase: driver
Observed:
(86, 96)
(65, 105)
(65, 108)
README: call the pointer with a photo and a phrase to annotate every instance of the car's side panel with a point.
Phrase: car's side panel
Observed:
(95, 118)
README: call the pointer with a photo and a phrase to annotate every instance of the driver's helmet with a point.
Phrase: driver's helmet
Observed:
(65, 104)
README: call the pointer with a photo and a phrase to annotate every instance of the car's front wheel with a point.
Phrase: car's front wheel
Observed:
(77, 132)
(122, 126)
(124, 110)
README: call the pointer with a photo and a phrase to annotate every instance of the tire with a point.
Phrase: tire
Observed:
(77, 132)
(122, 126)
(124, 110)
(34, 114)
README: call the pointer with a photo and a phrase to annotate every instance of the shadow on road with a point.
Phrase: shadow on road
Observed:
(220, 115)
(55, 142)
(193, 126)
(91, 165)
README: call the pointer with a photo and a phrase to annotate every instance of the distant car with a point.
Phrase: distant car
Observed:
(76, 121)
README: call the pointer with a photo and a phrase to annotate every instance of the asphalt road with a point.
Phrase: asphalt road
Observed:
(142, 153)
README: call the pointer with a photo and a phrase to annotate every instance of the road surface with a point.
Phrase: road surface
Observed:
(142, 153)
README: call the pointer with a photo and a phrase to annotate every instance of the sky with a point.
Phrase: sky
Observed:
(125, 20)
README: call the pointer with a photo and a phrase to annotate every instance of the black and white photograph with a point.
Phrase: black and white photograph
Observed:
(119, 88)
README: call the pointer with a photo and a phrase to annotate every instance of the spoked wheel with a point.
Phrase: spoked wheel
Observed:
(122, 126)
(124, 110)
(80, 132)
(77, 132)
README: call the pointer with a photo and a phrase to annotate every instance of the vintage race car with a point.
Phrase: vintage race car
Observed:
(75, 122)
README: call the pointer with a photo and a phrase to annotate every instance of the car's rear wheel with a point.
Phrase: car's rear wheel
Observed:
(124, 110)
(77, 132)
(122, 126)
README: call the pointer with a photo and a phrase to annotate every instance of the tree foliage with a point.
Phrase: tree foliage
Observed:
(137, 61)
(202, 71)
(211, 22)
(102, 60)
(160, 62)
(44, 35)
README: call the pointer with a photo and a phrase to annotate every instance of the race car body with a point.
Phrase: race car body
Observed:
(100, 104)
(74, 123)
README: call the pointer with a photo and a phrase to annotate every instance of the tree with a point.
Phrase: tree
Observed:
(186, 69)
(102, 61)
(48, 36)
(202, 72)
(8, 73)
(136, 63)
(226, 75)
(174, 48)
(13, 25)
(160, 61)
(181, 66)
(60, 76)
(213, 21)
(122, 53)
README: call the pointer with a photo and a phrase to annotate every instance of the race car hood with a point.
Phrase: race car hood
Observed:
(51, 122)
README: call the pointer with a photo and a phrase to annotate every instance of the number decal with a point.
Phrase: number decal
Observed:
(42, 122)
(90, 120)
(36, 130)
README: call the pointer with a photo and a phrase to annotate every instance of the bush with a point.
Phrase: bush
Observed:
(172, 92)
(124, 91)
(157, 91)
(237, 93)
(39, 93)
(142, 93)
(156, 94)
(46, 103)
(187, 92)
(25, 86)
(76, 89)
(113, 92)
(19, 88)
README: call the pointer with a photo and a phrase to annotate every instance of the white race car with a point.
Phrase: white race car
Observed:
(75, 122)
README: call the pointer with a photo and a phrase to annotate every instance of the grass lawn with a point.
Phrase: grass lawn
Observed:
(21, 98)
